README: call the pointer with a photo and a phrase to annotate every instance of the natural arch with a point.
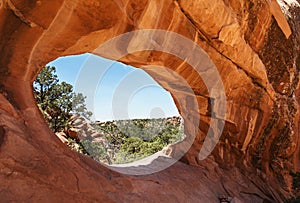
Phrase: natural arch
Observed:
(261, 133)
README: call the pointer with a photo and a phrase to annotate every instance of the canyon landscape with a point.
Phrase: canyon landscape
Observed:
(239, 97)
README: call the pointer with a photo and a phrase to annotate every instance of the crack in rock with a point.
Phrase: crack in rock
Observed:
(19, 14)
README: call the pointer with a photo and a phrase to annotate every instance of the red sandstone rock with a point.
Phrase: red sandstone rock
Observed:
(247, 42)
(73, 133)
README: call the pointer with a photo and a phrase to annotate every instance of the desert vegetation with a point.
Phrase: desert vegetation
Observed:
(111, 142)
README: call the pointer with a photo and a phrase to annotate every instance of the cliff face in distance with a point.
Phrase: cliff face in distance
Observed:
(253, 45)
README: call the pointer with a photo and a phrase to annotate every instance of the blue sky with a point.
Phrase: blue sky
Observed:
(114, 90)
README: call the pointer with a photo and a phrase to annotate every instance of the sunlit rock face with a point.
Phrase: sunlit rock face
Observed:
(252, 44)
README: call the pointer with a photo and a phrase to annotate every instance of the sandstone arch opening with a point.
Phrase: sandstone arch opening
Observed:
(133, 128)
(244, 41)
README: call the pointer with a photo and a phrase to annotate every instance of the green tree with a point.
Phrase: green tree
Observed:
(79, 107)
(143, 137)
(95, 150)
(57, 101)
(43, 84)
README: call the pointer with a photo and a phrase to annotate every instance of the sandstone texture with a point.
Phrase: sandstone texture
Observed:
(254, 45)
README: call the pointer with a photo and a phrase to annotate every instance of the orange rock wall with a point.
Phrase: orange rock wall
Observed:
(254, 48)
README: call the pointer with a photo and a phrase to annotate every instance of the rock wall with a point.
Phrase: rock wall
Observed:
(252, 45)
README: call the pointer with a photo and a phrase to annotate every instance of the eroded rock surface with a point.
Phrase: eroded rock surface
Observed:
(252, 45)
